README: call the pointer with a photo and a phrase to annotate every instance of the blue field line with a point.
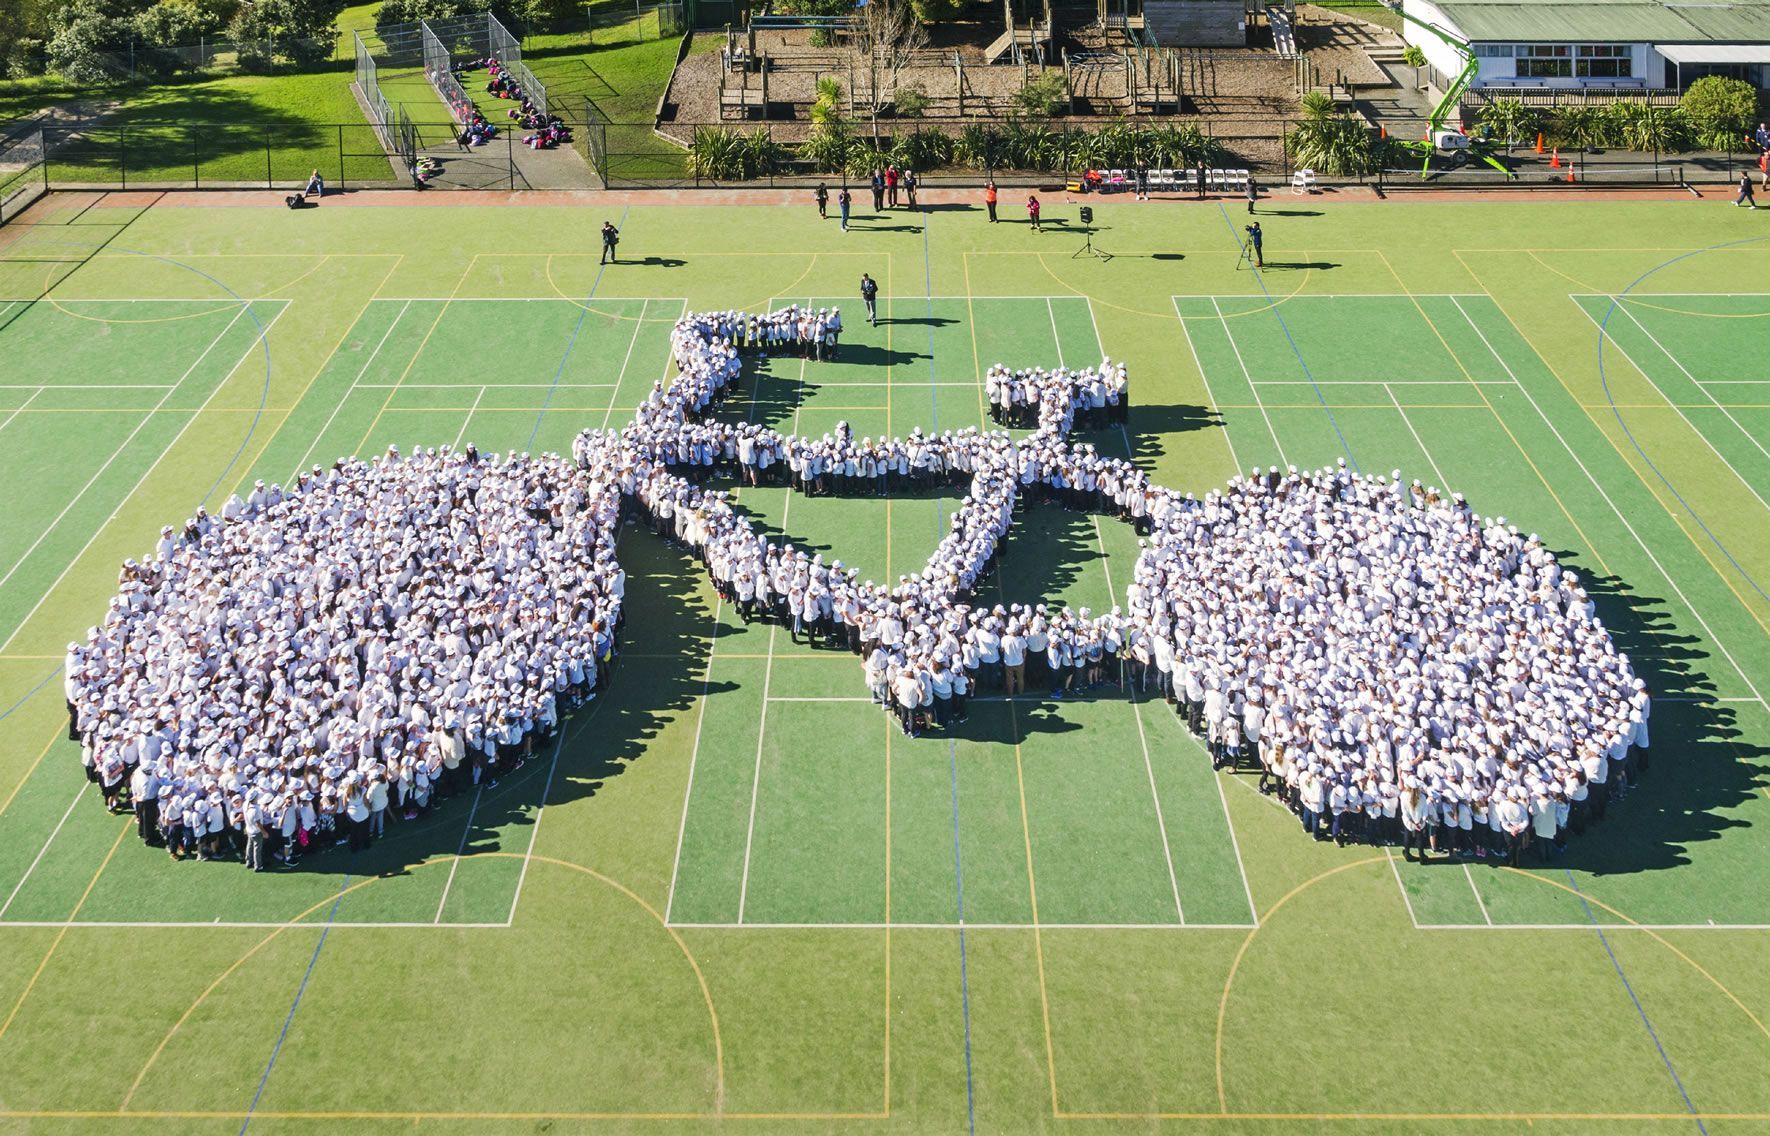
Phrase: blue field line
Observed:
(263, 342)
(1289, 338)
(331, 917)
(1610, 397)
(583, 313)
(1639, 1009)
(952, 745)
(952, 761)
(31, 693)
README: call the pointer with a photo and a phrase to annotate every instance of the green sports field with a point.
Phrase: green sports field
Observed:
(734, 896)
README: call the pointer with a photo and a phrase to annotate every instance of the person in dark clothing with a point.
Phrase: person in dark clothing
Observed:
(878, 191)
(1256, 244)
(869, 294)
(1744, 197)
(611, 236)
(823, 200)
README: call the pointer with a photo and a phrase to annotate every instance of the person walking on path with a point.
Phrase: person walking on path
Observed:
(878, 191)
(611, 236)
(1256, 240)
(823, 200)
(869, 294)
(1253, 194)
(1032, 212)
(1744, 197)
(843, 201)
(989, 201)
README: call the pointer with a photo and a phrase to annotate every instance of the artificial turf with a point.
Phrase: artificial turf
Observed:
(1057, 918)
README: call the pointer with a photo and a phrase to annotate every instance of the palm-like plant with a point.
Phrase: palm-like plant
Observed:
(1510, 121)
(1336, 145)
(1640, 126)
(1579, 127)
(979, 146)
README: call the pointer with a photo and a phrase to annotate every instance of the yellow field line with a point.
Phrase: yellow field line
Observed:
(681, 945)
(417, 1117)
(47, 746)
(1235, 964)
(413, 362)
(1032, 888)
(1654, 935)
(1476, 387)
(888, 725)
(1674, 514)
(62, 934)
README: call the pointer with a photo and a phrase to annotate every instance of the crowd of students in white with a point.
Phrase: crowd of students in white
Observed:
(381, 634)
(1397, 666)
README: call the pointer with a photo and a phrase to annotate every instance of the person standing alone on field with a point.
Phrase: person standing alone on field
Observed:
(1744, 196)
(869, 294)
(1032, 212)
(843, 201)
(1253, 194)
(823, 201)
(989, 201)
(611, 236)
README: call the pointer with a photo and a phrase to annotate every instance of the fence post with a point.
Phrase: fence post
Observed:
(196, 159)
(123, 154)
(510, 155)
(267, 181)
(340, 155)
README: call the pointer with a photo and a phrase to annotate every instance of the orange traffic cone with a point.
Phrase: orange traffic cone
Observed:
(1570, 178)
(1539, 141)
(1382, 131)
(1555, 159)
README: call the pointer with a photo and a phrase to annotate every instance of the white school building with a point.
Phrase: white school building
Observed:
(1659, 44)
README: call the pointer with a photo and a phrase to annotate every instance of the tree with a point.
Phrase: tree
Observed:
(1414, 58)
(1720, 111)
(888, 35)
(299, 31)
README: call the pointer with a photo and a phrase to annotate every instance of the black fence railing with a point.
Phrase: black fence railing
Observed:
(635, 156)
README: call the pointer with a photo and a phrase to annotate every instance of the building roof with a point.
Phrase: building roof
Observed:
(1612, 21)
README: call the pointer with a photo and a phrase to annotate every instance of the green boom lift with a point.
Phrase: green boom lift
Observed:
(1440, 137)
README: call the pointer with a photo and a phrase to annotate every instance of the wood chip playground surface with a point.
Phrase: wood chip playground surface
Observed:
(733, 896)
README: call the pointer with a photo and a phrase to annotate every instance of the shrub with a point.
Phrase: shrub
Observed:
(1579, 127)
(921, 150)
(1642, 127)
(979, 146)
(910, 101)
(829, 151)
(1510, 121)
(1336, 145)
(1182, 146)
(1720, 111)
(1043, 95)
(720, 153)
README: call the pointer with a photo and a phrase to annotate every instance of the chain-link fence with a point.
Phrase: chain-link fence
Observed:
(21, 163)
(505, 48)
(235, 155)
(368, 84)
(439, 68)
(613, 23)
(144, 62)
